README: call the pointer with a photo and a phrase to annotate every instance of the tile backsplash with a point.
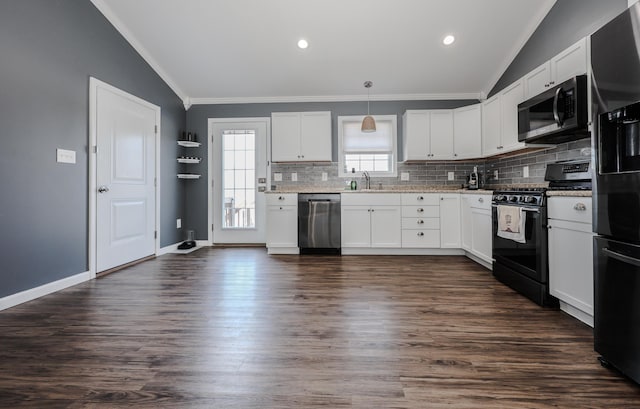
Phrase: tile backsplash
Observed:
(431, 173)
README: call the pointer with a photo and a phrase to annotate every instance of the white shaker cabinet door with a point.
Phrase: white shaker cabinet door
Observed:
(355, 226)
(386, 226)
(315, 144)
(285, 136)
(441, 131)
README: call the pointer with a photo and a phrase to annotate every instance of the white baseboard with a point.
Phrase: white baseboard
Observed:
(391, 251)
(168, 249)
(37, 292)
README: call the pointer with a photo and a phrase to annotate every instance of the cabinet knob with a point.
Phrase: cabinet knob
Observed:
(455, 154)
(481, 200)
(442, 198)
(280, 197)
(280, 207)
(420, 198)
(420, 221)
(552, 82)
(420, 210)
(420, 234)
(580, 207)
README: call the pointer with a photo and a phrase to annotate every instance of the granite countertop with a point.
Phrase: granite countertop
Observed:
(389, 189)
(569, 193)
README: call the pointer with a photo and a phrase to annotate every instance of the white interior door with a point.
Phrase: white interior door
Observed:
(125, 178)
(239, 163)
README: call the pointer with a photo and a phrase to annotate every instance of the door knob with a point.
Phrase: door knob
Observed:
(103, 189)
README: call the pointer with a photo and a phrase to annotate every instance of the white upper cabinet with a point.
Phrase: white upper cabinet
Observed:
(442, 134)
(416, 133)
(300, 136)
(510, 97)
(570, 62)
(467, 132)
(491, 126)
(427, 134)
(566, 65)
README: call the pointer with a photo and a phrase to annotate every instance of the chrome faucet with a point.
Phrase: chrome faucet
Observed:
(367, 180)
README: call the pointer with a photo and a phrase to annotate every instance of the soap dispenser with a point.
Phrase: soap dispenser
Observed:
(354, 184)
(474, 183)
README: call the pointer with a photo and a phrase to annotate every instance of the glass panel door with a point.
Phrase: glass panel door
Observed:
(239, 198)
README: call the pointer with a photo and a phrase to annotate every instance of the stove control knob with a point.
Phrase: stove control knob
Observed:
(530, 199)
(513, 198)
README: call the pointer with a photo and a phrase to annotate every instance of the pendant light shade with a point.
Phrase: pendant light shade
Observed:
(368, 123)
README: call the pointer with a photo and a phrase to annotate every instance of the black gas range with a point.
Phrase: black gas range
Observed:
(520, 250)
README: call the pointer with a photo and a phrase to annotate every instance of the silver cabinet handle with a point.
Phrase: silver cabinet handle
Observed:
(420, 198)
(420, 221)
(281, 198)
(420, 234)
(103, 189)
(481, 200)
(420, 210)
(580, 207)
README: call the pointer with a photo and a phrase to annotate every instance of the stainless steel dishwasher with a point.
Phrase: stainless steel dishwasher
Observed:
(319, 223)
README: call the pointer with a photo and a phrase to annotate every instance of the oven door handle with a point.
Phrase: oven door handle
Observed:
(625, 259)
(526, 209)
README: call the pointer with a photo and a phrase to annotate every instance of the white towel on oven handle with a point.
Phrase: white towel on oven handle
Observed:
(519, 236)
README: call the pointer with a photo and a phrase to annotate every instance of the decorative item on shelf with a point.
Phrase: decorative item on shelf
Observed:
(354, 184)
(368, 123)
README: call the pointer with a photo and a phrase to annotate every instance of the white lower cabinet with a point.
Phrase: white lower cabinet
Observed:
(450, 221)
(370, 220)
(282, 223)
(571, 255)
(420, 220)
(476, 226)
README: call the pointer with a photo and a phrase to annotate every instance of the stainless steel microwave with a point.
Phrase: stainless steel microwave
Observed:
(557, 115)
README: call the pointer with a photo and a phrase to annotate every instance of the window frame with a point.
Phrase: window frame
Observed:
(342, 172)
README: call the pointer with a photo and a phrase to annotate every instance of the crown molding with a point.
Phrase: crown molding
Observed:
(332, 98)
(106, 11)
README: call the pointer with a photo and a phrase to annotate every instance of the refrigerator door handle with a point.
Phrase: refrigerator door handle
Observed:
(621, 257)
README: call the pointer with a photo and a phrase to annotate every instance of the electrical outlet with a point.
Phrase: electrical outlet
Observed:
(65, 156)
(525, 171)
(294, 177)
(178, 223)
(324, 176)
(404, 176)
(451, 176)
(495, 174)
(277, 177)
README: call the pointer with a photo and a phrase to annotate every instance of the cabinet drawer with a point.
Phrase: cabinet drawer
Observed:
(479, 201)
(421, 238)
(420, 211)
(417, 199)
(370, 199)
(574, 209)
(420, 223)
(282, 199)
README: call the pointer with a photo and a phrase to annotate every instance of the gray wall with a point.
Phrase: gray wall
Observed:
(197, 116)
(567, 22)
(48, 51)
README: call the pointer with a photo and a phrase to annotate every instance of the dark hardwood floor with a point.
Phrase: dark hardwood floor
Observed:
(236, 328)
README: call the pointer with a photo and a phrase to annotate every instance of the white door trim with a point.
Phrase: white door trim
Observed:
(211, 123)
(94, 84)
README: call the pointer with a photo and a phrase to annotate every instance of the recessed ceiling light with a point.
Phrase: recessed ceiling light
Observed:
(303, 44)
(448, 40)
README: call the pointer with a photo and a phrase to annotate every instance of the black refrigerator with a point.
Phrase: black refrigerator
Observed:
(615, 60)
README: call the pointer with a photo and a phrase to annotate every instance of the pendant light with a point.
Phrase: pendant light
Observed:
(368, 123)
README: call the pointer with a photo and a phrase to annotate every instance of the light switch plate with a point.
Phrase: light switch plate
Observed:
(525, 171)
(451, 176)
(495, 174)
(294, 177)
(404, 176)
(178, 223)
(277, 177)
(65, 156)
(324, 176)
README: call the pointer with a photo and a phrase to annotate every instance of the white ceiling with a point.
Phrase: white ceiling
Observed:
(233, 51)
